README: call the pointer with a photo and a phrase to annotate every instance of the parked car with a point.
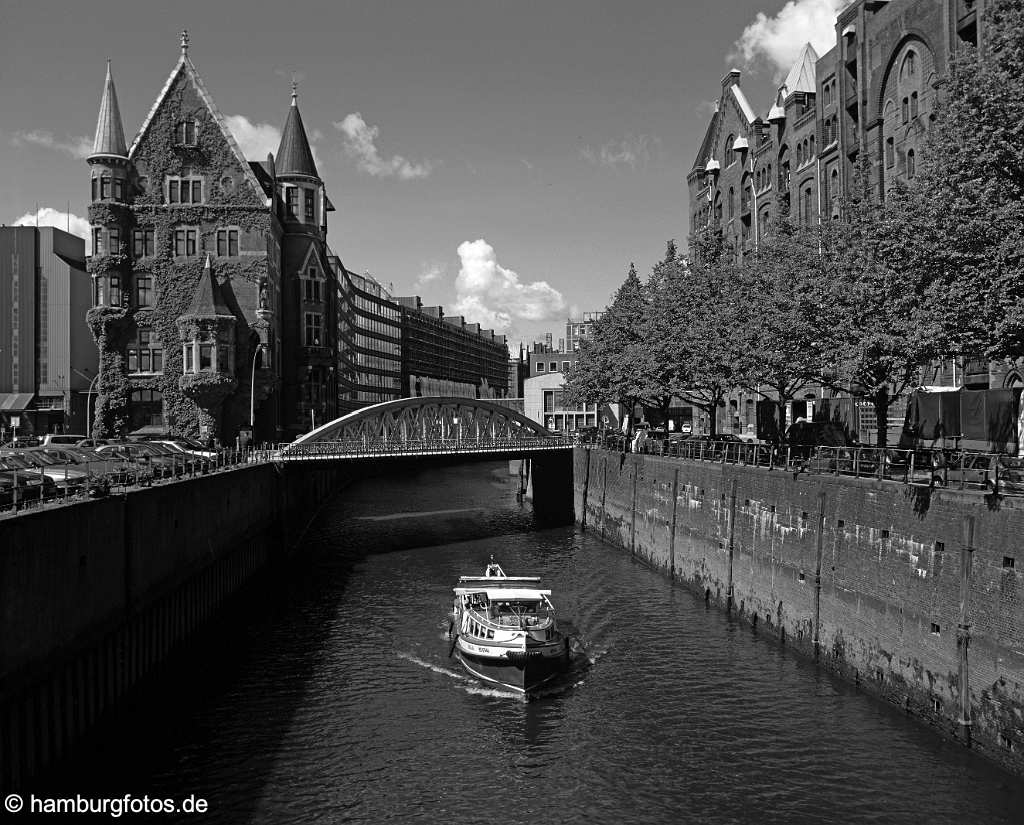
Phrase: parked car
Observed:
(22, 442)
(31, 483)
(158, 462)
(67, 477)
(61, 438)
(116, 470)
(189, 446)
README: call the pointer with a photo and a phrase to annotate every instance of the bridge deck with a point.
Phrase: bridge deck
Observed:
(347, 450)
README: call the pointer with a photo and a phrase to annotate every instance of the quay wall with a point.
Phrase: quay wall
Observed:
(874, 568)
(95, 595)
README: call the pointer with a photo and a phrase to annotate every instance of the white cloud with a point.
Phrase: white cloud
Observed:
(47, 216)
(429, 273)
(488, 294)
(778, 40)
(360, 143)
(76, 147)
(632, 151)
(254, 139)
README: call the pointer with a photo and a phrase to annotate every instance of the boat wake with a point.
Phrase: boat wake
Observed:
(435, 668)
(466, 683)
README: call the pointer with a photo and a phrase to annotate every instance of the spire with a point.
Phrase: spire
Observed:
(801, 77)
(109, 139)
(208, 301)
(294, 157)
(184, 41)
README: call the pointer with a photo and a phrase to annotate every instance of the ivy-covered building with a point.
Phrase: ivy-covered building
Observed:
(212, 288)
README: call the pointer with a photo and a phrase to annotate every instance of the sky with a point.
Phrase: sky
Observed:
(508, 160)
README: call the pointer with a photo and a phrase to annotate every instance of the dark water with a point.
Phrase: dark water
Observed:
(336, 700)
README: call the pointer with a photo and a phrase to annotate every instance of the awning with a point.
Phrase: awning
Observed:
(15, 401)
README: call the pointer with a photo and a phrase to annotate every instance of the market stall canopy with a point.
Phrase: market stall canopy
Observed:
(15, 401)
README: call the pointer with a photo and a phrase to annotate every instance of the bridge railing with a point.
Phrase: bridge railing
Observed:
(368, 448)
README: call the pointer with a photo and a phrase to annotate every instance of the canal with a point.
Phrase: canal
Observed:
(330, 696)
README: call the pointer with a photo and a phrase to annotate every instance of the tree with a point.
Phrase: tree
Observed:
(882, 314)
(777, 311)
(971, 189)
(607, 367)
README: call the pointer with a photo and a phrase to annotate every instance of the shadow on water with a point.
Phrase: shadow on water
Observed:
(169, 737)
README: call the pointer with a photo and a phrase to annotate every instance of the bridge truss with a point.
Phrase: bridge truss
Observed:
(425, 426)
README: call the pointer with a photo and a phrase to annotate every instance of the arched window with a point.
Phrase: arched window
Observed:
(799, 154)
(911, 163)
(890, 153)
(727, 151)
(732, 203)
(906, 109)
(913, 104)
(909, 67)
(833, 188)
(811, 155)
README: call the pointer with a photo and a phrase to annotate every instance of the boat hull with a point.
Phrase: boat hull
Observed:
(518, 670)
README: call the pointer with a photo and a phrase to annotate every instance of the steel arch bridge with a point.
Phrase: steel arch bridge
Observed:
(426, 426)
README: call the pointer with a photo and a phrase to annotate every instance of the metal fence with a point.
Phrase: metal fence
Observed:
(28, 490)
(955, 469)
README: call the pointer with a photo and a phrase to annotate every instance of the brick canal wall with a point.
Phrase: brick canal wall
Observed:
(95, 595)
(891, 563)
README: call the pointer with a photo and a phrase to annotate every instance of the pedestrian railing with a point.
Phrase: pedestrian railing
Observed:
(949, 468)
(30, 489)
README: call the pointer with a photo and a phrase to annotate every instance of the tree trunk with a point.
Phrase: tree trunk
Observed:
(781, 406)
(882, 401)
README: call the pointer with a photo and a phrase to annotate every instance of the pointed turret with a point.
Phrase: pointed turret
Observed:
(208, 302)
(109, 140)
(801, 77)
(294, 157)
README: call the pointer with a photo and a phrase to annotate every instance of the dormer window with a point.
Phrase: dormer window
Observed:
(186, 131)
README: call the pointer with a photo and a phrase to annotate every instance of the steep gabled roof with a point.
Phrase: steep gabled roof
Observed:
(294, 157)
(109, 140)
(207, 302)
(745, 107)
(707, 143)
(186, 65)
(801, 77)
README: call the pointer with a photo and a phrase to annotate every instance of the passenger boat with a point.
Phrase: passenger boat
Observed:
(505, 630)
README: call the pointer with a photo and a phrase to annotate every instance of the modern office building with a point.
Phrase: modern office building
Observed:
(578, 329)
(543, 402)
(445, 355)
(369, 341)
(48, 359)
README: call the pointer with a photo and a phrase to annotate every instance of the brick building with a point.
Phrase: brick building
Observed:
(871, 95)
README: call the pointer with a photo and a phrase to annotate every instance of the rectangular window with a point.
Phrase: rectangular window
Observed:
(553, 366)
(197, 191)
(115, 290)
(222, 358)
(233, 242)
(205, 357)
(142, 242)
(118, 189)
(190, 242)
(179, 242)
(187, 358)
(133, 360)
(890, 153)
(310, 209)
(144, 290)
(313, 337)
(114, 239)
(105, 188)
(540, 366)
(565, 366)
(227, 242)
(185, 191)
(292, 196)
(172, 192)
(95, 188)
(97, 242)
(158, 358)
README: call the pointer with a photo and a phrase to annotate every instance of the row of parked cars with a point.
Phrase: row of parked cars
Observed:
(61, 465)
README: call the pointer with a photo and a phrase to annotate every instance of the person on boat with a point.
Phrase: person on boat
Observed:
(493, 569)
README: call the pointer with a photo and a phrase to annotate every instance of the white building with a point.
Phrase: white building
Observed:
(543, 403)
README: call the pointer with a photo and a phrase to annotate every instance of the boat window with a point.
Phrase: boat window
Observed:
(490, 634)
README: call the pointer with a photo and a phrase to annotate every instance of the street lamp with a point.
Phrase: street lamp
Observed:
(88, 398)
(252, 388)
